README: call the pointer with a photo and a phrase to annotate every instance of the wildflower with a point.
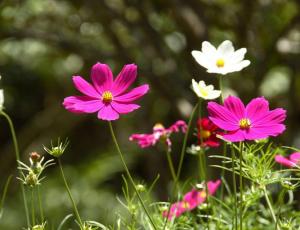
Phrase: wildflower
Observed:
(1, 98)
(221, 60)
(59, 149)
(106, 96)
(159, 132)
(192, 199)
(206, 132)
(204, 91)
(193, 149)
(292, 161)
(253, 122)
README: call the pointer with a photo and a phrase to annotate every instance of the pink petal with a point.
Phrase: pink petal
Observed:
(221, 117)
(108, 113)
(102, 77)
(275, 116)
(84, 87)
(82, 104)
(283, 161)
(134, 94)
(235, 106)
(268, 129)
(234, 136)
(124, 108)
(213, 186)
(257, 108)
(295, 157)
(125, 78)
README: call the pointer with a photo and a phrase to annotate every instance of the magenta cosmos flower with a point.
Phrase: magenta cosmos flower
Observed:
(292, 161)
(253, 122)
(106, 96)
(191, 200)
(159, 133)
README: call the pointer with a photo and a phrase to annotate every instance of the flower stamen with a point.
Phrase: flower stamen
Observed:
(220, 63)
(107, 97)
(245, 123)
(205, 134)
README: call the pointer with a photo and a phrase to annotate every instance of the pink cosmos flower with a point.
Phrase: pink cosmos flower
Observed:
(191, 200)
(106, 96)
(292, 161)
(159, 132)
(253, 122)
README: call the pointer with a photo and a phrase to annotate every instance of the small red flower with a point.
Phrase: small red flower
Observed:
(206, 133)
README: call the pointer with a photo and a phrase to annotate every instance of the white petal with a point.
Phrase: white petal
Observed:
(208, 48)
(214, 94)
(202, 84)
(226, 48)
(200, 58)
(238, 55)
(195, 88)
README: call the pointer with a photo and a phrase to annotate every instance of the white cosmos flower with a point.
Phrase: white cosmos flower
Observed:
(204, 91)
(221, 60)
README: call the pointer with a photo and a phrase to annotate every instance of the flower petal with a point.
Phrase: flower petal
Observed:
(234, 136)
(84, 87)
(257, 108)
(208, 48)
(225, 48)
(275, 116)
(82, 104)
(283, 161)
(124, 108)
(222, 117)
(295, 157)
(238, 55)
(269, 130)
(102, 77)
(201, 58)
(235, 106)
(134, 94)
(108, 113)
(125, 78)
(212, 186)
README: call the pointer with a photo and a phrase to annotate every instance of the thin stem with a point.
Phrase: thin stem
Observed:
(241, 186)
(183, 150)
(234, 188)
(16, 147)
(128, 174)
(70, 194)
(271, 207)
(40, 204)
(32, 207)
(171, 166)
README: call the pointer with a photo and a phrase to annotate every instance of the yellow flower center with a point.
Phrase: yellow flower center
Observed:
(185, 205)
(107, 96)
(205, 134)
(204, 92)
(158, 126)
(245, 123)
(202, 194)
(220, 62)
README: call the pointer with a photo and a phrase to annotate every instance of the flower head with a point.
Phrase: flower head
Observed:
(192, 199)
(58, 149)
(206, 132)
(106, 96)
(221, 60)
(292, 161)
(204, 91)
(253, 122)
(159, 132)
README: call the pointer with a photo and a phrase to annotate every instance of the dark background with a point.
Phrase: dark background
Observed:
(43, 43)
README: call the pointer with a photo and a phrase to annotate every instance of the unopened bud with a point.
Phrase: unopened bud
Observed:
(31, 179)
(35, 157)
(140, 188)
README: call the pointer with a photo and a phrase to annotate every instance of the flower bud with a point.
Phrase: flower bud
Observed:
(58, 150)
(31, 179)
(140, 188)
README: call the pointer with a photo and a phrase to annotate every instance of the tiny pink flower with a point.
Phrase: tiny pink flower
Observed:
(106, 96)
(159, 132)
(251, 122)
(292, 161)
(191, 200)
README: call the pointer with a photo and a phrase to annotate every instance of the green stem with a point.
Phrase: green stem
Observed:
(241, 186)
(16, 147)
(234, 188)
(271, 207)
(70, 194)
(128, 174)
(171, 167)
(32, 207)
(183, 150)
(40, 204)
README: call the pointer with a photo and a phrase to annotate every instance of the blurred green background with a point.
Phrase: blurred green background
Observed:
(43, 43)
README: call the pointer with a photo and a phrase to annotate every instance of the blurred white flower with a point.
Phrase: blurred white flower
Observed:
(221, 60)
(204, 91)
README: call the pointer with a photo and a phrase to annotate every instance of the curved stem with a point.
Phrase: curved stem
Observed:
(40, 204)
(270, 207)
(183, 150)
(128, 174)
(171, 166)
(70, 194)
(16, 147)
